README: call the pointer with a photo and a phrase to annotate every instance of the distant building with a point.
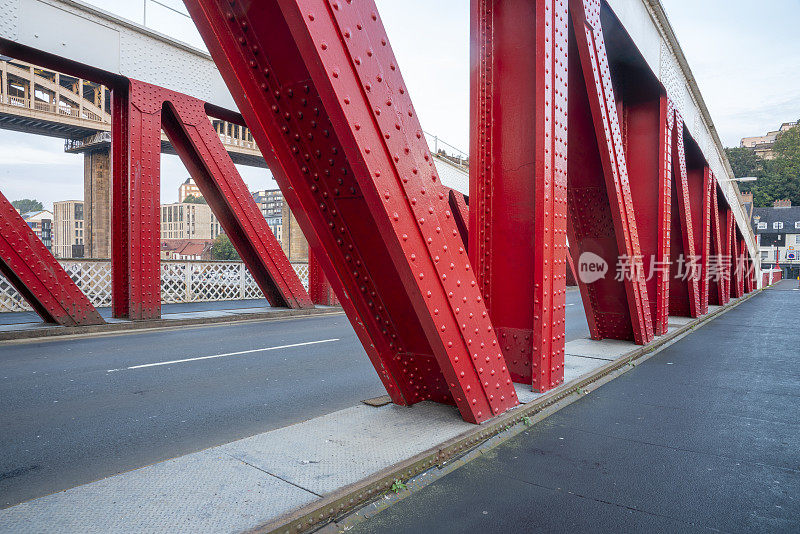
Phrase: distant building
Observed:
(186, 249)
(188, 221)
(762, 144)
(41, 222)
(270, 202)
(188, 188)
(777, 232)
(67, 229)
(293, 242)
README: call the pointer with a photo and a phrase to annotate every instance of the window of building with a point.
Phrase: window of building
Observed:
(762, 226)
(797, 225)
(777, 225)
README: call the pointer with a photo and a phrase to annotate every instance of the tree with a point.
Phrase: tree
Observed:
(744, 162)
(223, 249)
(191, 199)
(778, 178)
(27, 204)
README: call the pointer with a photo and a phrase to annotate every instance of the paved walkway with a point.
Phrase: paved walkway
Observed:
(704, 436)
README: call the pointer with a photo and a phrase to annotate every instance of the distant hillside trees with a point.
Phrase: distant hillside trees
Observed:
(778, 178)
(25, 205)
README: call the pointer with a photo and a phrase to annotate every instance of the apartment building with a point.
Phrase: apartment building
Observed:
(188, 188)
(41, 222)
(762, 144)
(270, 202)
(777, 232)
(188, 221)
(68, 229)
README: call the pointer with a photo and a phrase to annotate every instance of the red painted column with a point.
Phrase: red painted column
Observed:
(318, 83)
(319, 289)
(517, 224)
(698, 180)
(709, 185)
(684, 298)
(647, 126)
(136, 217)
(602, 226)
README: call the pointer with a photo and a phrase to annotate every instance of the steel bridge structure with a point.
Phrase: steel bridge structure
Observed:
(593, 149)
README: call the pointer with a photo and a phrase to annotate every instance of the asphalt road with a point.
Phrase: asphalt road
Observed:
(703, 437)
(76, 410)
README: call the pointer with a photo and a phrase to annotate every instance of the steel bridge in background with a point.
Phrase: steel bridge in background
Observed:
(453, 299)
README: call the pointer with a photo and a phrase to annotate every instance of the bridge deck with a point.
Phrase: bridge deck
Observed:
(697, 438)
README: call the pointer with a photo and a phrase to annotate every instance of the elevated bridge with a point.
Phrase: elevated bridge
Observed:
(594, 148)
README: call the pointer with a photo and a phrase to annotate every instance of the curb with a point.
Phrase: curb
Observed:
(46, 332)
(453, 453)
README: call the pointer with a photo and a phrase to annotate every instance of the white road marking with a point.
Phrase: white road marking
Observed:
(224, 355)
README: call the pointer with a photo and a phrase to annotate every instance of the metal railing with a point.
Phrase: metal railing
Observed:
(181, 281)
(447, 151)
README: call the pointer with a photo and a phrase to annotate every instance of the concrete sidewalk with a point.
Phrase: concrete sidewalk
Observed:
(702, 437)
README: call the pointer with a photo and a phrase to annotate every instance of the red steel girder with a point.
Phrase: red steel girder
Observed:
(648, 126)
(460, 210)
(186, 124)
(698, 179)
(518, 184)
(684, 294)
(602, 222)
(136, 213)
(37, 276)
(709, 185)
(319, 288)
(719, 234)
(317, 82)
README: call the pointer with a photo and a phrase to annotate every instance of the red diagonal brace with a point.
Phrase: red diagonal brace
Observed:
(684, 297)
(39, 278)
(602, 221)
(318, 82)
(149, 108)
(709, 184)
(460, 210)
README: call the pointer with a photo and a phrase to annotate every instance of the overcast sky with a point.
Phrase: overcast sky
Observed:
(745, 56)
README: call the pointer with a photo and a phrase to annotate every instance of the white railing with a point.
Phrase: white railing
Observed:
(181, 281)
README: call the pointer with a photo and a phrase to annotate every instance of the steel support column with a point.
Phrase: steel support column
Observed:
(136, 212)
(319, 288)
(186, 124)
(37, 276)
(518, 146)
(684, 297)
(317, 82)
(698, 179)
(647, 140)
(602, 224)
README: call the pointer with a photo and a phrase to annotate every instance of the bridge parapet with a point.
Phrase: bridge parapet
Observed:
(181, 281)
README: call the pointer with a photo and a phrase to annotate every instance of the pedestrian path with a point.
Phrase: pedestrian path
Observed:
(701, 437)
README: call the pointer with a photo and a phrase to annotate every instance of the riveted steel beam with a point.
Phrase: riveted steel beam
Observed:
(684, 298)
(317, 81)
(319, 288)
(37, 276)
(517, 237)
(719, 293)
(185, 121)
(709, 185)
(136, 213)
(647, 127)
(696, 181)
(460, 210)
(602, 225)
